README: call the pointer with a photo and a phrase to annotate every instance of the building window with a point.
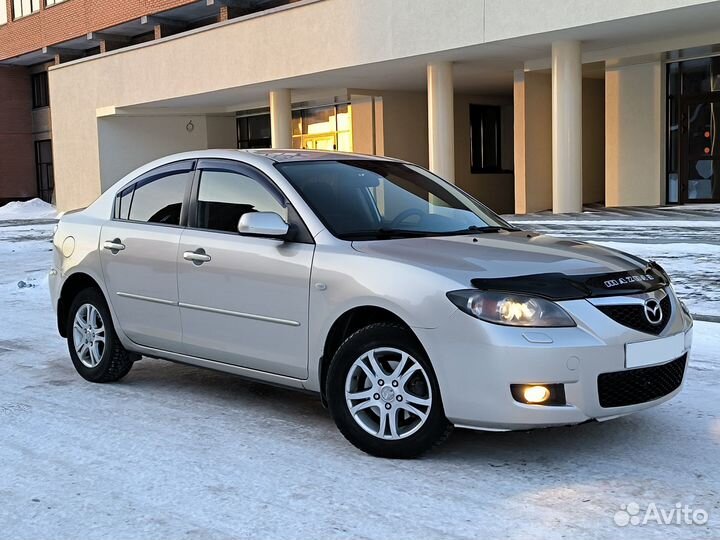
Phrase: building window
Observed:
(317, 128)
(254, 131)
(44, 170)
(23, 8)
(3, 13)
(53, 2)
(323, 128)
(485, 139)
(40, 91)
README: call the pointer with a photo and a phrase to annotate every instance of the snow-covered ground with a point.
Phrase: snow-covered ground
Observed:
(178, 452)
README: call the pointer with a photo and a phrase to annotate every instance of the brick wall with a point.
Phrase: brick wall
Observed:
(70, 19)
(17, 159)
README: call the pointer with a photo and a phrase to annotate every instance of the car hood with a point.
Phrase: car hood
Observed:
(482, 259)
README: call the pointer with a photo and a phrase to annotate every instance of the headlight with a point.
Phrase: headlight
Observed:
(510, 309)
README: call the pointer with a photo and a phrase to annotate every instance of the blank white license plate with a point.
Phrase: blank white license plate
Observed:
(655, 351)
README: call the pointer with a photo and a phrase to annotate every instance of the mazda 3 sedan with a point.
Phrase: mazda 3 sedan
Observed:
(407, 305)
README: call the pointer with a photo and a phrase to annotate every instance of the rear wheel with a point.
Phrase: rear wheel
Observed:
(95, 350)
(383, 394)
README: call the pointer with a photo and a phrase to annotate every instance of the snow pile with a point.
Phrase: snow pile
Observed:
(32, 209)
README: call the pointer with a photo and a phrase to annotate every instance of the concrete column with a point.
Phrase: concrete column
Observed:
(532, 96)
(281, 118)
(441, 120)
(567, 126)
(634, 134)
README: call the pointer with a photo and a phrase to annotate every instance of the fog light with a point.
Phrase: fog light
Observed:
(536, 394)
(539, 394)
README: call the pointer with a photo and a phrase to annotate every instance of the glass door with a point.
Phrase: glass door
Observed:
(699, 152)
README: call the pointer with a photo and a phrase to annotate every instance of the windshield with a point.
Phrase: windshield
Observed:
(365, 199)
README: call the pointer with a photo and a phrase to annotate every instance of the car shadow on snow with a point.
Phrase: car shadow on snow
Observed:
(642, 432)
(214, 388)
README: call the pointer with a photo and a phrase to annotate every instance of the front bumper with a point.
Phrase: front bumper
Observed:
(476, 362)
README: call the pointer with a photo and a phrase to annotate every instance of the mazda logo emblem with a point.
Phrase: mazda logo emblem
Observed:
(653, 311)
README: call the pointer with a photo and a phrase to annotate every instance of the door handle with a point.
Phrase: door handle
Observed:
(114, 245)
(197, 257)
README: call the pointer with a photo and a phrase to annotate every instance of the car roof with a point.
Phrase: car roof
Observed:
(256, 157)
(285, 155)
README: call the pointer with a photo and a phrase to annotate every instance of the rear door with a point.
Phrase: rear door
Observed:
(243, 300)
(138, 250)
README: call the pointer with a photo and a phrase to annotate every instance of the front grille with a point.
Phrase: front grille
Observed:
(632, 386)
(633, 316)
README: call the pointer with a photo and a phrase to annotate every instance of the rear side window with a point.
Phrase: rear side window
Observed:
(122, 203)
(157, 197)
(224, 196)
(159, 200)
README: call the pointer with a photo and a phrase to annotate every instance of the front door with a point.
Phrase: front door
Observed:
(243, 300)
(699, 149)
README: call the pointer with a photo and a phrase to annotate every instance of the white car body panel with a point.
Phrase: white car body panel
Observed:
(263, 308)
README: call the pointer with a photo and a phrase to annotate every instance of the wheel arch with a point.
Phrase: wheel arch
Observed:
(348, 323)
(71, 287)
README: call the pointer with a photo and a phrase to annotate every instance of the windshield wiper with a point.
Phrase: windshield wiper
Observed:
(385, 234)
(474, 229)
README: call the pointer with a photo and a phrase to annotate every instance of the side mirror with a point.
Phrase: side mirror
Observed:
(267, 224)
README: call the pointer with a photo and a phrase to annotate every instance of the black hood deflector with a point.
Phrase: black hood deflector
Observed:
(558, 286)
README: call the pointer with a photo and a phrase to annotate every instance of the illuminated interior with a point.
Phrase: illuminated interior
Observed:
(323, 128)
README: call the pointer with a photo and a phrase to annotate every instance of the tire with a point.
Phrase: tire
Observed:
(403, 433)
(109, 362)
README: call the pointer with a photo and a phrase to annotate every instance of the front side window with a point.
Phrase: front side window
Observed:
(224, 196)
(366, 199)
(22, 8)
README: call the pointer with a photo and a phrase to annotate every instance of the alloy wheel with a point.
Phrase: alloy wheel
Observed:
(89, 335)
(388, 393)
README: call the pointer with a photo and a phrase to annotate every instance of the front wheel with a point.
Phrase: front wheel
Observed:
(96, 351)
(383, 394)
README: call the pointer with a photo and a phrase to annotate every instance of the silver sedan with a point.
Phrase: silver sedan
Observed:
(407, 305)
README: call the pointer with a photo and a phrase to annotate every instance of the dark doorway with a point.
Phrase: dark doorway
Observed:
(485, 139)
(44, 170)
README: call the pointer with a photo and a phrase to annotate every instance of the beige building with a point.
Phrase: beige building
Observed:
(527, 104)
